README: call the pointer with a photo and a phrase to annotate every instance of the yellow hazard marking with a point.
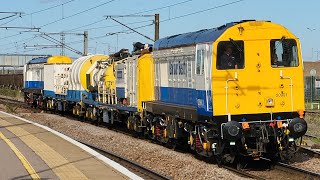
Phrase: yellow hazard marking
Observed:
(59, 165)
(23, 160)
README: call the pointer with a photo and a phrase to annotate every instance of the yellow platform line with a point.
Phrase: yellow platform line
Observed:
(59, 165)
(23, 160)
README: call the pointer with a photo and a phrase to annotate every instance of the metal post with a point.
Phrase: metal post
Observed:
(311, 89)
(156, 27)
(62, 38)
(317, 55)
(85, 50)
(117, 42)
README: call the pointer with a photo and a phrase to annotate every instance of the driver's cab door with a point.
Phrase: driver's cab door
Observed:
(203, 60)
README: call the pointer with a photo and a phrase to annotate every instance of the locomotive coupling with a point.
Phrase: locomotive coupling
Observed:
(232, 131)
(297, 127)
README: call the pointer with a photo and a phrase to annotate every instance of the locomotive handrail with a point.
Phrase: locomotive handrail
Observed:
(291, 93)
(227, 108)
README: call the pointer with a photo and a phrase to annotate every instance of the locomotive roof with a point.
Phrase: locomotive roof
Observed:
(38, 60)
(191, 38)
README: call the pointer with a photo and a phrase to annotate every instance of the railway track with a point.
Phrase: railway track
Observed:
(266, 169)
(150, 174)
(296, 171)
(310, 152)
(4, 99)
(243, 173)
(134, 167)
(311, 136)
(312, 111)
(271, 170)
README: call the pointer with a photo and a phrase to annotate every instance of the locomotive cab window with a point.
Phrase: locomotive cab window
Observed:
(284, 53)
(119, 74)
(230, 55)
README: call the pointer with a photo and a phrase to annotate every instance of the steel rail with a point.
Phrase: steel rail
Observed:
(137, 168)
(242, 173)
(294, 169)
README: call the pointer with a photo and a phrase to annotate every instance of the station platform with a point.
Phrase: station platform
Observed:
(32, 151)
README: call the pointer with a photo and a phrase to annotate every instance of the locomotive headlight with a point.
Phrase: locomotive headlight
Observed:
(298, 127)
(269, 102)
(232, 130)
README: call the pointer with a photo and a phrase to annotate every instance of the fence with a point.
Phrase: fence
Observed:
(312, 92)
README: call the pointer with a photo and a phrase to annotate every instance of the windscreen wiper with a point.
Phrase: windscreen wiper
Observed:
(235, 44)
(280, 42)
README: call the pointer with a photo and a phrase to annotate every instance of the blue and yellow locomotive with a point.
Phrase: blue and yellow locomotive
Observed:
(224, 87)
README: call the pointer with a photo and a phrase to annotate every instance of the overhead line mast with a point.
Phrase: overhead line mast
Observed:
(156, 24)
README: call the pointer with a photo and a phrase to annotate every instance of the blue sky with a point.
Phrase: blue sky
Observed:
(300, 17)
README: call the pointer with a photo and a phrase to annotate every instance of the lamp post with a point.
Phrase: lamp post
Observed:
(317, 55)
(311, 30)
(313, 73)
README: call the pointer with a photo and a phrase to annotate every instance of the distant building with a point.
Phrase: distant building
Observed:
(311, 68)
(311, 81)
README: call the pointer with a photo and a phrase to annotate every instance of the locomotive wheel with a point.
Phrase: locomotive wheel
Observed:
(99, 120)
(219, 160)
(171, 144)
(241, 163)
(286, 155)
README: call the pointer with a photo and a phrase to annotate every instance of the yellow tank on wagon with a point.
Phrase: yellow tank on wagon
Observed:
(59, 60)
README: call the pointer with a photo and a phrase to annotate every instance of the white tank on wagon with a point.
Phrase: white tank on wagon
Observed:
(82, 75)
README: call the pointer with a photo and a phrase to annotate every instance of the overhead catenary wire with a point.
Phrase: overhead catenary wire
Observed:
(45, 9)
(51, 39)
(94, 7)
(64, 17)
(18, 45)
(177, 17)
(131, 28)
(111, 34)
(86, 10)
(10, 20)
(92, 38)
(7, 17)
(15, 42)
(21, 14)
(139, 12)
(110, 26)
(71, 30)
(204, 10)
(168, 6)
